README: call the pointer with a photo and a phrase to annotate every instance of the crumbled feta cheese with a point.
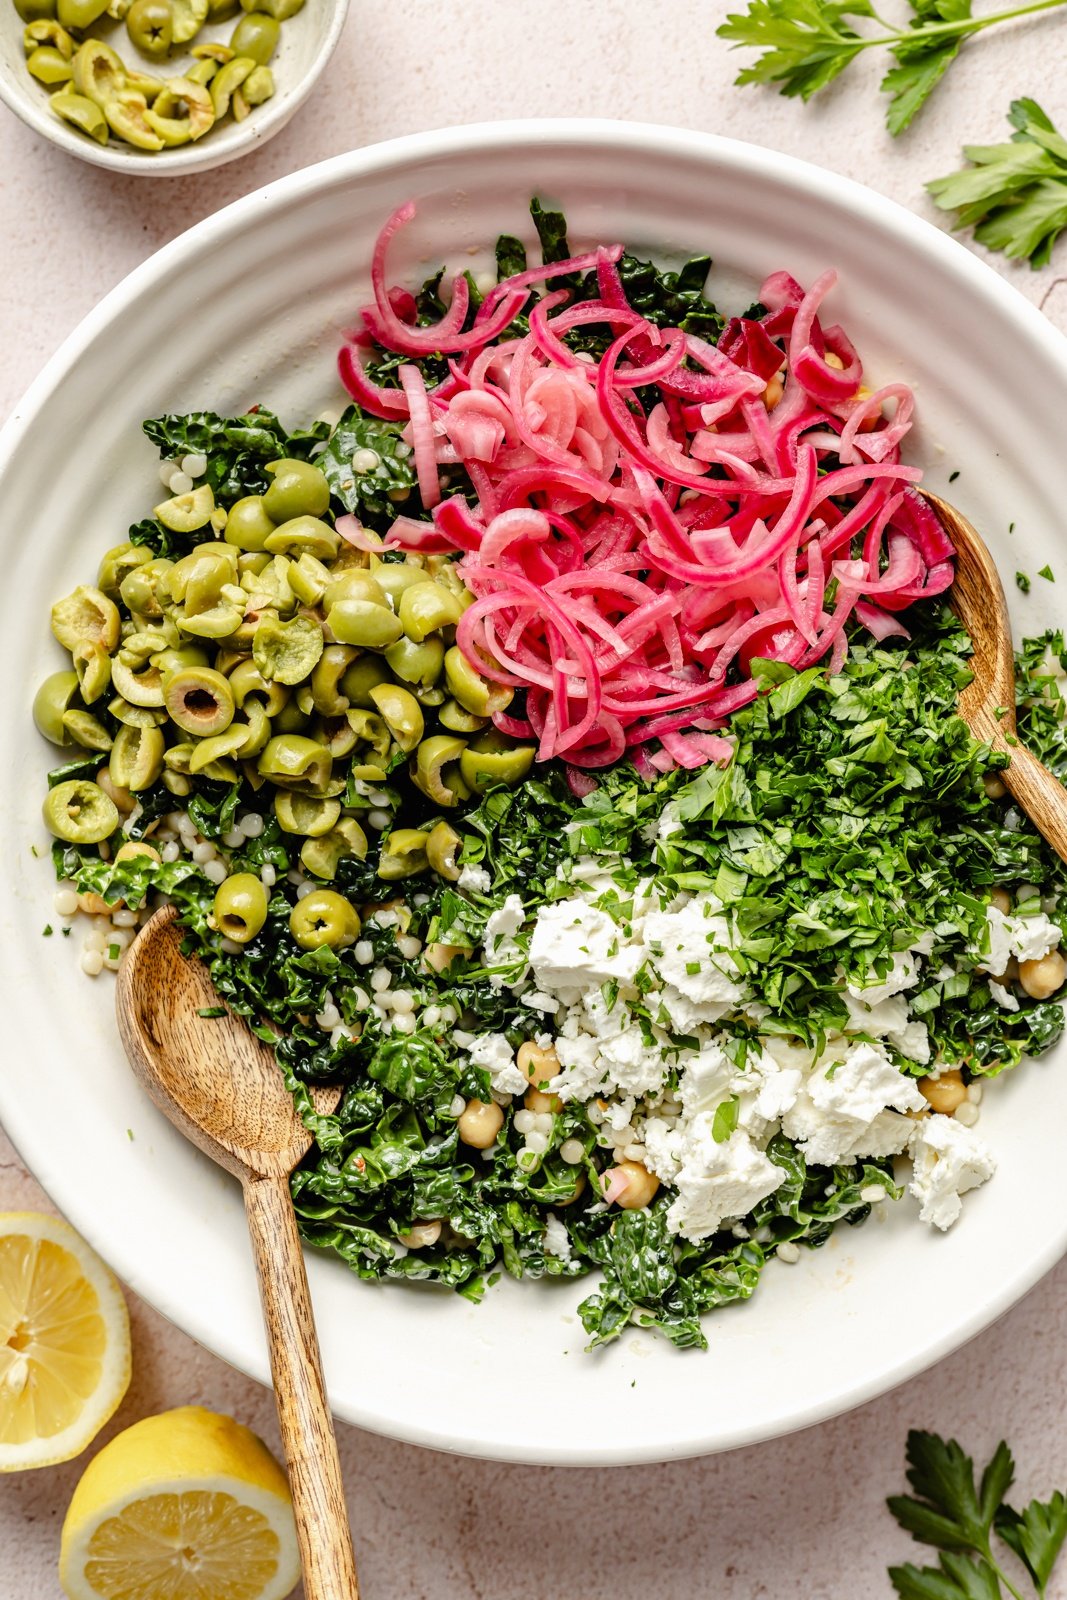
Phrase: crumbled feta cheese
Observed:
(575, 946)
(474, 878)
(493, 1052)
(1028, 938)
(716, 1182)
(689, 949)
(903, 974)
(1003, 996)
(557, 1239)
(845, 1109)
(501, 927)
(948, 1160)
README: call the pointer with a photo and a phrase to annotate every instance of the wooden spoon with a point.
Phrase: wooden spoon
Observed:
(987, 704)
(221, 1087)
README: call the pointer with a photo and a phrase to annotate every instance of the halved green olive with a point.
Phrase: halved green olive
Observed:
(184, 513)
(400, 712)
(79, 14)
(302, 535)
(361, 622)
(436, 771)
(298, 813)
(47, 31)
(217, 622)
(92, 665)
(144, 585)
(361, 677)
(80, 812)
(298, 488)
(189, 18)
(286, 652)
(247, 524)
(87, 730)
(136, 758)
(324, 917)
(258, 87)
(240, 907)
(457, 719)
(327, 695)
(492, 759)
(137, 688)
(125, 113)
(248, 683)
(336, 734)
(210, 752)
(474, 693)
(441, 846)
(354, 583)
(426, 608)
(132, 716)
(225, 81)
(308, 579)
(81, 113)
(403, 853)
(418, 664)
(322, 856)
(182, 113)
(200, 700)
(98, 72)
(49, 66)
(256, 35)
(176, 659)
(393, 577)
(51, 702)
(117, 562)
(291, 760)
(86, 616)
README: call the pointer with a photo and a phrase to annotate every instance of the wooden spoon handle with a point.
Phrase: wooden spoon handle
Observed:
(303, 1412)
(1040, 794)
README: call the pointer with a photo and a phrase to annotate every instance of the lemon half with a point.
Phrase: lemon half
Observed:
(190, 1505)
(64, 1342)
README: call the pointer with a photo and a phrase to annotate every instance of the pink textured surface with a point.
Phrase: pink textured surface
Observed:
(802, 1517)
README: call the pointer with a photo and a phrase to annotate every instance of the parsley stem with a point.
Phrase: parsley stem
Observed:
(950, 30)
(1001, 1575)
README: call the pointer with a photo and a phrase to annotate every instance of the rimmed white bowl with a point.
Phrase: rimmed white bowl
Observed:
(256, 300)
(307, 42)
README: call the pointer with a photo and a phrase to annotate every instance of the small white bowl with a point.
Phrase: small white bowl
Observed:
(307, 42)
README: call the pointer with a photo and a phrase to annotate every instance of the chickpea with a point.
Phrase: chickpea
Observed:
(94, 905)
(122, 798)
(134, 848)
(773, 392)
(479, 1123)
(536, 1065)
(641, 1185)
(994, 785)
(579, 1188)
(1001, 899)
(420, 1235)
(534, 1100)
(946, 1093)
(438, 957)
(1042, 978)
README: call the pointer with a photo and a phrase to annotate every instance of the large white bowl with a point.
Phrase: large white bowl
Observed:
(250, 306)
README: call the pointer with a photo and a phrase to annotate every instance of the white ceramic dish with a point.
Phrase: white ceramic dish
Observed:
(308, 40)
(256, 299)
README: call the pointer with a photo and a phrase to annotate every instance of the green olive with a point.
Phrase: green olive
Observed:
(86, 615)
(427, 608)
(221, 621)
(393, 577)
(35, 10)
(474, 693)
(354, 583)
(298, 813)
(250, 563)
(120, 560)
(51, 702)
(240, 907)
(436, 771)
(79, 14)
(370, 729)
(179, 756)
(222, 10)
(326, 693)
(457, 719)
(214, 51)
(286, 652)
(290, 719)
(202, 72)
(256, 36)
(168, 662)
(98, 72)
(492, 759)
(135, 716)
(336, 735)
(441, 845)
(144, 83)
(417, 664)
(303, 535)
(248, 683)
(87, 730)
(184, 513)
(183, 112)
(150, 25)
(92, 665)
(80, 812)
(137, 688)
(298, 489)
(400, 712)
(81, 113)
(259, 729)
(209, 753)
(257, 88)
(136, 758)
(279, 9)
(200, 700)
(227, 80)
(189, 18)
(49, 66)
(143, 586)
(247, 524)
(365, 673)
(324, 917)
(47, 31)
(308, 579)
(403, 853)
(138, 648)
(291, 760)
(322, 856)
(361, 622)
(125, 112)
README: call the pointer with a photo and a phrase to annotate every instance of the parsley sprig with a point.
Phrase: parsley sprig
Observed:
(1014, 195)
(962, 1519)
(806, 44)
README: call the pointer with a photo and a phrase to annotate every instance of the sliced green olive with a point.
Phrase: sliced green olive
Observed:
(240, 908)
(361, 677)
(116, 563)
(361, 622)
(418, 664)
(216, 51)
(308, 579)
(80, 812)
(457, 719)
(183, 112)
(247, 524)
(137, 688)
(426, 608)
(189, 18)
(441, 845)
(150, 25)
(491, 760)
(286, 652)
(322, 856)
(86, 616)
(92, 664)
(291, 760)
(258, 87)
(279, 9)
(145, 84)
(98, 72)
(49, 66)
(393, 577)
(202, 72)
(47, 31)
(168, 662)
(210, 752)
(403, 853)
(259, 729)
(336, 734)
(137, 649)
(81, 112)
(184, 513)
(218, 622)
(200, 700)
(132, 716)
(436, 771)
(51, 702)
(125, 113)
(142, 587)
(299, 813)
(248, 683)
(327, 695)
(324, 917)
(300, 535)
(136, 758)
(79, 14)
(226, 80)
(87, 730)
(400, 712)
(474, 693)
(298, 488)
(354, 583)
(370, 729)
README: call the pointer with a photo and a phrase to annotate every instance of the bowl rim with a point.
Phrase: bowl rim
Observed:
(431, 147)
(181, 160)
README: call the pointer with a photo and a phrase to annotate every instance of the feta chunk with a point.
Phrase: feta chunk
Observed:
(493, 1052)
(1028, 938)
(689, 948)
(501, 948)
(1003, 996)
(845, 1109)
(903, 974)
(474, 878)
(557, 1239)
(948, 1159)
(717, 1183)
(575, 946)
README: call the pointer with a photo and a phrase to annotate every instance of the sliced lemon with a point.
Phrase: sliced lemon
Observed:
(188, 1505)
(64, 1342)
